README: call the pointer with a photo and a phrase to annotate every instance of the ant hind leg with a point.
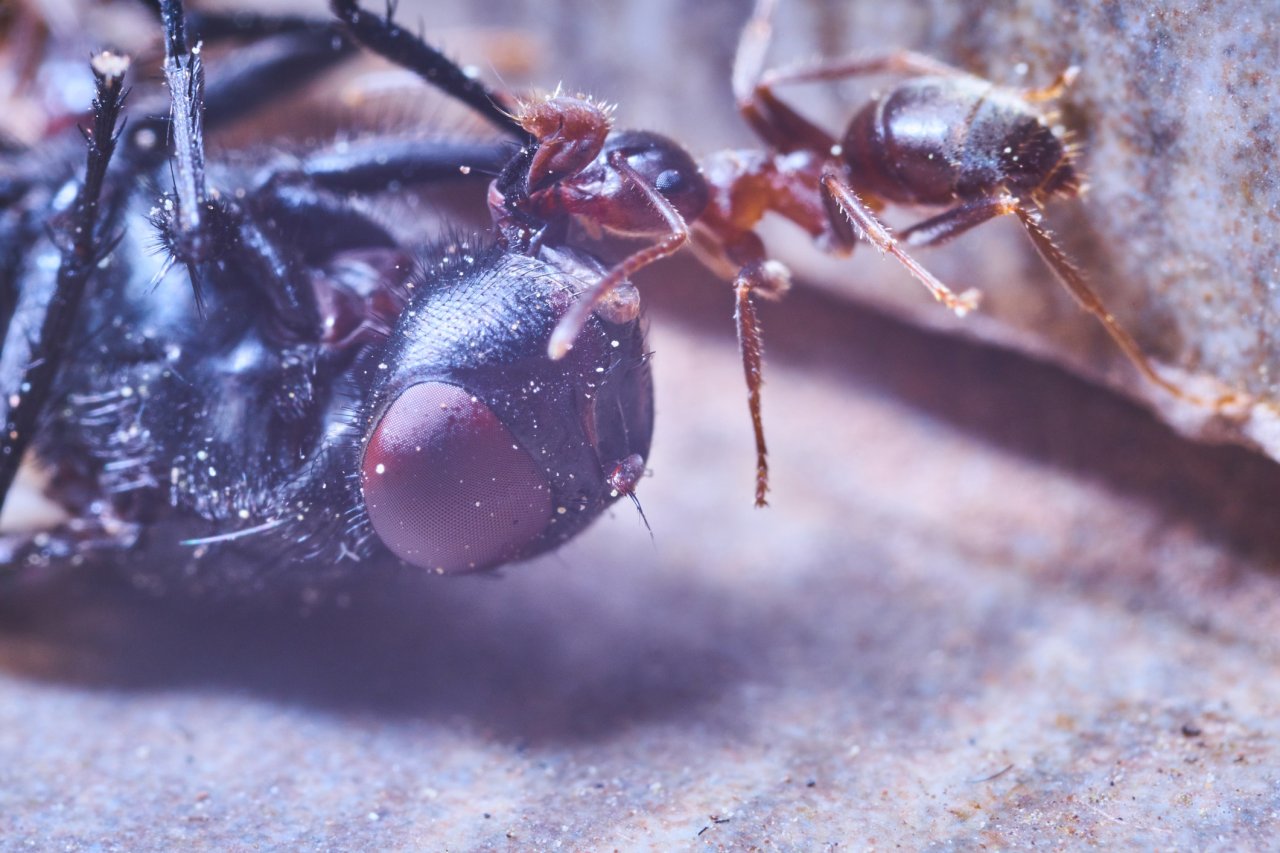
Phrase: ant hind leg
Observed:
(950, 224)
(869, 226)
(1073, 280)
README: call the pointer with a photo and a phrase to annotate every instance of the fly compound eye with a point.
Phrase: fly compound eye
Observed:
(447, 486)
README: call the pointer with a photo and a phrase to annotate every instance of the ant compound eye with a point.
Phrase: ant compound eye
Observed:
(447, 486)
(669, 182)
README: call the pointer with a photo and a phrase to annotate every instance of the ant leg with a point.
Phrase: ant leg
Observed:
(952, 223)
(866, 223)
(63, 545)
(575, 318)
(779, 125)
(905, 62)
(770, 280)
(751, 348)
(1075, 284)
(773, 120)
(391, 42)
(740, 254)
(753, 46)
(1055, 89)
(30, 362)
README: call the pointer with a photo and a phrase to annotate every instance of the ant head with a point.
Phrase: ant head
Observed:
(480, 450)
(665, 165)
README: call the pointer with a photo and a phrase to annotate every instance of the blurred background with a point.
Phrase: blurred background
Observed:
(999, 597)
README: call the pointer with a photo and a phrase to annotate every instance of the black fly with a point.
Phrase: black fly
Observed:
(227, 365)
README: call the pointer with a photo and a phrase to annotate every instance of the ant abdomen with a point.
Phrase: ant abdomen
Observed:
(936, 140)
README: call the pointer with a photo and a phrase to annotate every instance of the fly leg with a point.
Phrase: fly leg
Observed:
(205, 226)
(374, 166)
(286, 52)
(69, 543)
(34, 348)
(200, 227)
(387, 39)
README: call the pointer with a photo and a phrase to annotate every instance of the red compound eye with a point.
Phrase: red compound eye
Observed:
(447, 486)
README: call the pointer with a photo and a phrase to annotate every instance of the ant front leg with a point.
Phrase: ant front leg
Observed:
(30, 358)
(871, 229)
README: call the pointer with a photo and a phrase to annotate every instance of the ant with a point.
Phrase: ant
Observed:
(942, 138)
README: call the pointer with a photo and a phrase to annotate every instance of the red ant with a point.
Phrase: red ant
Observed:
(942, 138)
